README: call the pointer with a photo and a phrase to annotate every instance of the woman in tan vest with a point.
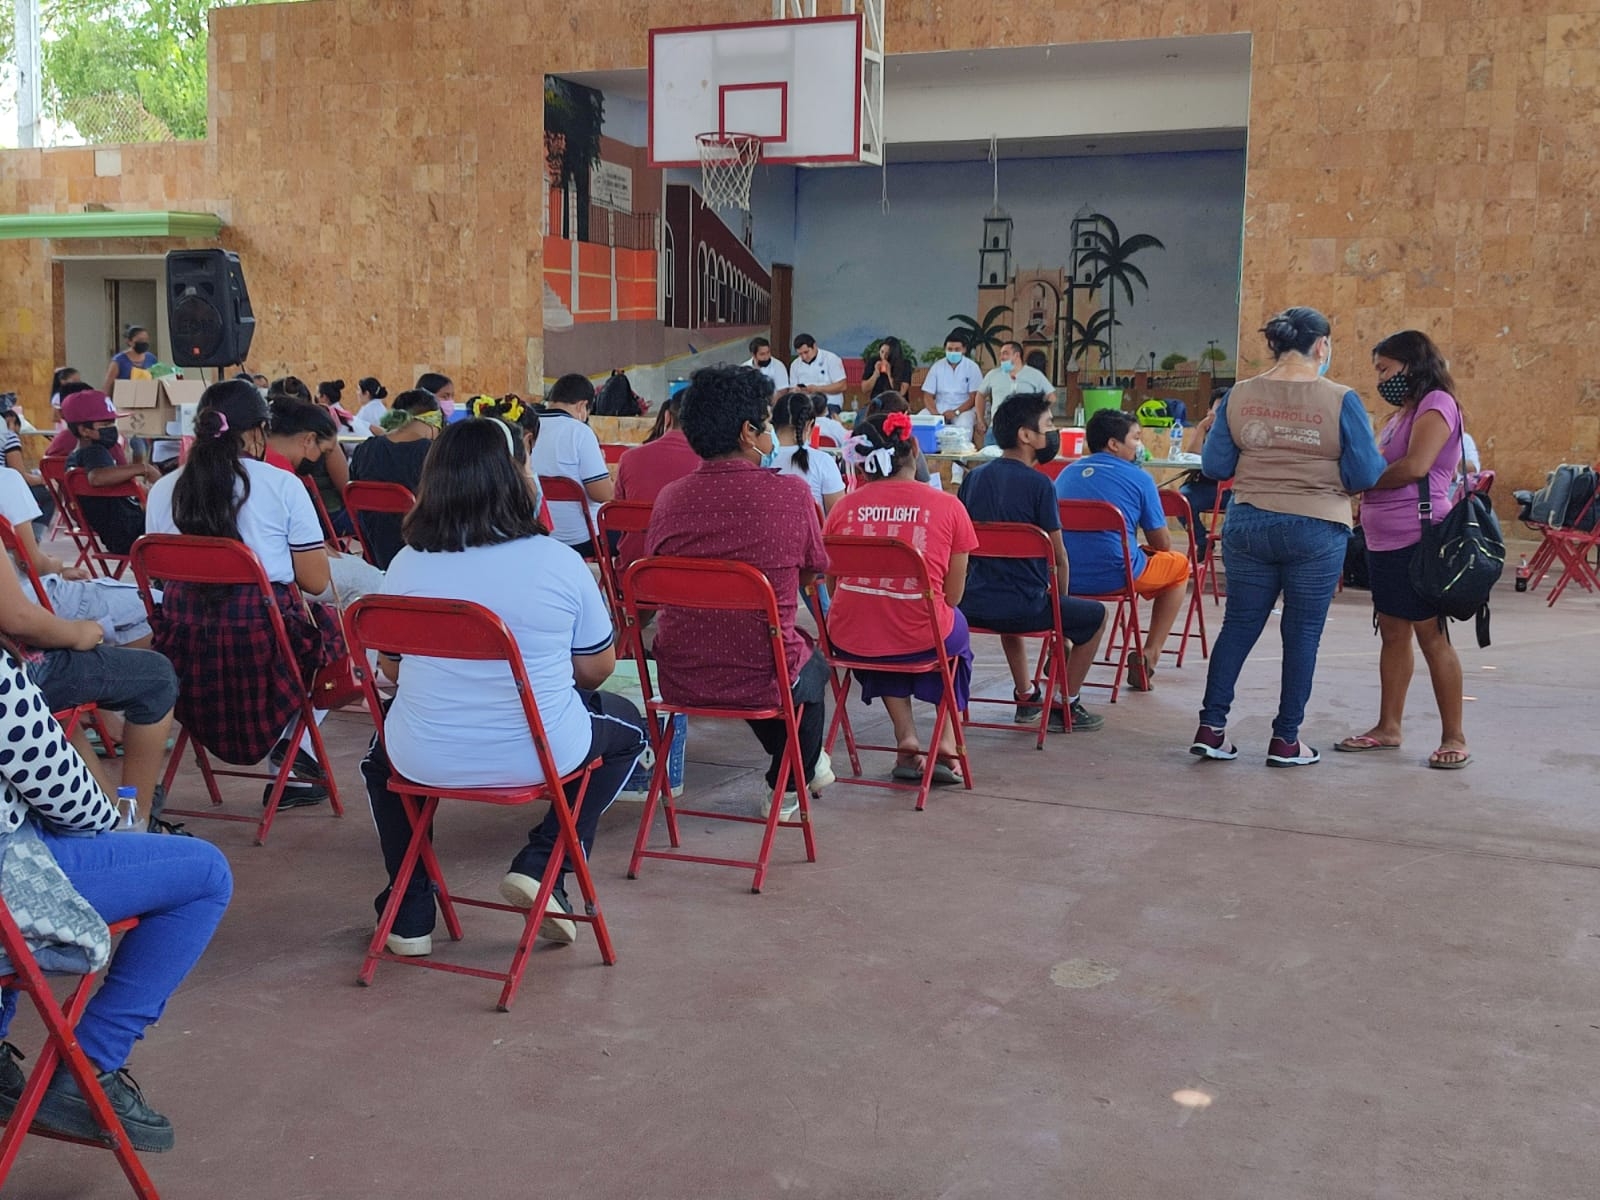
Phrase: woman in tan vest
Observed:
(1297, 447)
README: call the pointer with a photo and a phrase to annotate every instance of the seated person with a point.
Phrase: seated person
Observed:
(12, 455)
(1010, 377)
(1010, 594)
(74, 594)
(1110, 472)
(644, 470)
(177, 887)
(883, 404)
(396, 457)
(475, 535)
(238, 696)
(823, 423)
(331, 471)
(792, 417)
(72, 665)
(300, 435)
(732, 509)
(65, 441)
(1198, 488)
(117, 520)
(568, 447)
(884, 619)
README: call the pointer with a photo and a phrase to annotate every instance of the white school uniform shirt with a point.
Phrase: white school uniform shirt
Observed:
(277, 521)
(461, 723)
(950, 386)
(774, 370)
(568, 447)
(1000, 387)
(828, 427)
(826, 367)
(821, 473)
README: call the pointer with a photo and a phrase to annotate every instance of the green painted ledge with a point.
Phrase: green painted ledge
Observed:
(110, 225)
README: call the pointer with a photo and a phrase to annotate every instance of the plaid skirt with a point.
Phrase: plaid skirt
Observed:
(236, 694)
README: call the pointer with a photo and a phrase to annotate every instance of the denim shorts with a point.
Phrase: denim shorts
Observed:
(139, 684)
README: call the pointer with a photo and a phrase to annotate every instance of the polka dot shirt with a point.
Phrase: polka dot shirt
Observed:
(40, 770)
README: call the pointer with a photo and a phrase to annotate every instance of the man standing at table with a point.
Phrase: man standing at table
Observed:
(761, 359)
(818, 370)
(951, 388)
(1011, 377)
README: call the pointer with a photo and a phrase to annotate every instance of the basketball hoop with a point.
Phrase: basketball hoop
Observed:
(727, 161)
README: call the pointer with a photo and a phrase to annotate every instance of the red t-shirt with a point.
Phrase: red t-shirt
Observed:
(274, 459)
(733, 509)
(641, 474)
(880, 618)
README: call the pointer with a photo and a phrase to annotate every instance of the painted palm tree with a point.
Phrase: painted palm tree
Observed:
(1111, 258)
(573, 118)
(1093, 334)
(985, 335)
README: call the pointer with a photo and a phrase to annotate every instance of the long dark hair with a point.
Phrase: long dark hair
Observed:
(291, 416)
(473, 490)
(793, 410)
(432, 381)
(897, 360)
(1424, 364)
(213, 485)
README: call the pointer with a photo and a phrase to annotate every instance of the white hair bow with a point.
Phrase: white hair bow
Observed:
(859, 453)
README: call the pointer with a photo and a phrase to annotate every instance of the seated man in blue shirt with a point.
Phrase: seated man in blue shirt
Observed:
(1111, 473)
(1012, 596)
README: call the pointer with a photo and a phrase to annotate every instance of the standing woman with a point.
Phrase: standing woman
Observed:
(1297, 447)
(1420, 441)
(132, 363)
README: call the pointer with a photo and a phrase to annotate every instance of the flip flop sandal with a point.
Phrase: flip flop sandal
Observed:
(945, 775)
(1363, 744)
(906, 773)
(1439, 764)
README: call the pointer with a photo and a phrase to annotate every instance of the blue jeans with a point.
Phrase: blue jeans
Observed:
(178, 887)
(1267, 554)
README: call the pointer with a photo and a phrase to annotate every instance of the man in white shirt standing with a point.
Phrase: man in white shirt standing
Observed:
(567, 446)
(818, 370)
(761, 359)
(1010, 377)
(951, 388)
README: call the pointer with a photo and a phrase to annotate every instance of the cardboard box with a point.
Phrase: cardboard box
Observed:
(152, 404)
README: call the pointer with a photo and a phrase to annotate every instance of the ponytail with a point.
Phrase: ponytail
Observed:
(884, 445)
(206, 499)
(792, 410)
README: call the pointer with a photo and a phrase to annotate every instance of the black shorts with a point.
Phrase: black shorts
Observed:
(1389, 577)
(1080, 620)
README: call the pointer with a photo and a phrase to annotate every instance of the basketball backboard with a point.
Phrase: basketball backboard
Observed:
(796, 85)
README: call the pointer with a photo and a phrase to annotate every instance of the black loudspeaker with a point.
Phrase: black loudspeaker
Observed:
(208, 308)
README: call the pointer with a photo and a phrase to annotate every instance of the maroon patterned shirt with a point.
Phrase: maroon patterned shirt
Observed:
(733, 509)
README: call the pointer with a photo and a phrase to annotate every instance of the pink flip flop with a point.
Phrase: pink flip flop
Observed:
(1362, 744)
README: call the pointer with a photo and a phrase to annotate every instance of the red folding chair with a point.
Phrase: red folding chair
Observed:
(1208, 565)
(619, 517)
(1055, 466)
(334, 540)
(613, 451)
(700, 583)
(61, 1047)
(77, 488)
(1017, 540)
(558, 489)
(79, 714)
(455, 629)
(1573, 547)
(366, 497)
(876, 559)
(53, 469)
(173, 558)
(1176, 505)
(1125, 634)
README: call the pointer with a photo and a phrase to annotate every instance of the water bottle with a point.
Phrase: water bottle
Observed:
(1175, 442)
(1523, 574)
(127, 811)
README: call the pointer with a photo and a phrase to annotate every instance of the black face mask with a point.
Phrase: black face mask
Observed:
(1051, 447)
(1396, 388)
(141, 347)
(107, 437)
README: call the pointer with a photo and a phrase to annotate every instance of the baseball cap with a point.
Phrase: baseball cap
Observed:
(84, 408)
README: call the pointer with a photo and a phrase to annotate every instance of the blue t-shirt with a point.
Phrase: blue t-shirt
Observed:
(1096, 558)
(1007, 490)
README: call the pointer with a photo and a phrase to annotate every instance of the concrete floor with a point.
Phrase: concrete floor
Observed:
(1366, 979)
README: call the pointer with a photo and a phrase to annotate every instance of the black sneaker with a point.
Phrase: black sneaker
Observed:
(296, 794)
(65, 1111)
(1083, 721)
(305, 767)
(1028, 710)
(12, 1079)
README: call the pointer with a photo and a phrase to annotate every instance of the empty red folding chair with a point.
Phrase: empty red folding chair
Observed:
(1573, 547)
(334, 540)
(173, 558)
(77, 488)
(700, 583)
(366, 497)
(1016, 540)
(1126, 633)
(1176, 505)
(411, 626)
(61, 1048)
(617, 517)
(53, 469)
(1208, 564)
(874, 560)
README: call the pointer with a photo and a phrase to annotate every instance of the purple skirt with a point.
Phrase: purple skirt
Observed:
(927, 687)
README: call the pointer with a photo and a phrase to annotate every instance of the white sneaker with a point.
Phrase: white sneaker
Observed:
(790, 810)
(410, 947)
(522, 890)
(822, 774)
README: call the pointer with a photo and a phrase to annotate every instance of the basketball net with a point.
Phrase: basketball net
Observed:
(727, 162)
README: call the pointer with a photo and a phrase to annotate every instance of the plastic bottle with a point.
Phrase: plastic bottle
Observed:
(127, 810)
(1523, 574)
(1175, 443)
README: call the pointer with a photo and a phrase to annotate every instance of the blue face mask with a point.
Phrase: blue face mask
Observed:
(953, 357)
(1009, 366)
(1322, 368)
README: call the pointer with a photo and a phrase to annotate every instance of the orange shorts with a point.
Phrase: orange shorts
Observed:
(1166, 570)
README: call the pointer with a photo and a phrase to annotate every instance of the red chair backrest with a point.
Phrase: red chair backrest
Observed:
(53, 467)
(563, 490)
(852, 556)
(449, 629)
(12, 544)
(1055, 466)
(1224, 488)
(179, 558)
(823, 442)
(1176, 505)
(329, 535)
(393, 499)
(1015, 539)
(1098, 516)
(78, 486)
(53, 470)
(613, 451)
(624, 516)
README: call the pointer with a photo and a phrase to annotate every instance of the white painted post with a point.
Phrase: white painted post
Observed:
(30, 87)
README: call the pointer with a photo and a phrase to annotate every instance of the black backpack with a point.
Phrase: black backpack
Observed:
(1459, 559)
(616, 398)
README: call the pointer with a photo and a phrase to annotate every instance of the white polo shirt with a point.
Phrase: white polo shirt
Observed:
(774, 371)
(825, 368)
(568, 447)
(950, 386)
(276, 521)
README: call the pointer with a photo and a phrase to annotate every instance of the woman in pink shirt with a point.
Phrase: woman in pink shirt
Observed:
(1421, 441)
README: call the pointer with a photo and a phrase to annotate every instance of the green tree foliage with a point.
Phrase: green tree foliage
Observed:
(1173, 361)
